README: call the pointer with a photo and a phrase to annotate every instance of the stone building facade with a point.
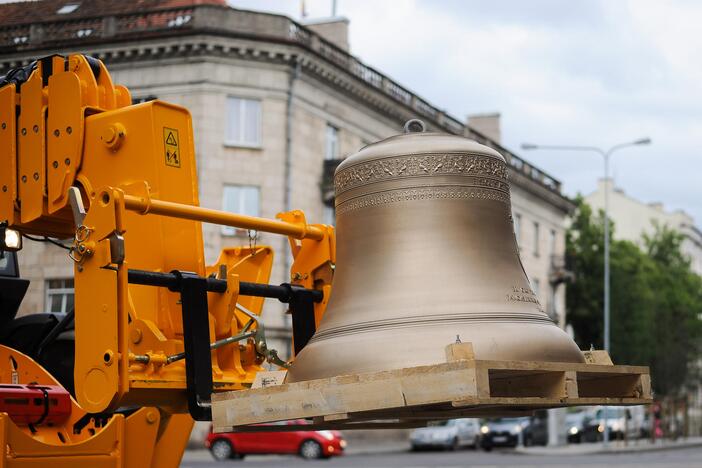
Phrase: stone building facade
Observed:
(275, 107)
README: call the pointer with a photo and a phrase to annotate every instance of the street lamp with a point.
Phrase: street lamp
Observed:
(605, 155)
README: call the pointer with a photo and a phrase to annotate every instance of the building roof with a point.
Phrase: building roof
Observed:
(24, 12)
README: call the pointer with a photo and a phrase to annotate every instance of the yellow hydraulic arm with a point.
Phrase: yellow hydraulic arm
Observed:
(155, 328)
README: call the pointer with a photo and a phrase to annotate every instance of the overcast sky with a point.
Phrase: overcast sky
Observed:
(560, 72)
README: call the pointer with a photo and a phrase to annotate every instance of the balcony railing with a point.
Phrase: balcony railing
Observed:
(221, 20)
(561, 270)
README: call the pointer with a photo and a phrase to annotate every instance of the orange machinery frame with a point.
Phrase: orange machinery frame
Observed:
(155, 328)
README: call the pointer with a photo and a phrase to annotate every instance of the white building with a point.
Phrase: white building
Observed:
(633, 218)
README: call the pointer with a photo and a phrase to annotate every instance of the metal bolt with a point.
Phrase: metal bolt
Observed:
(69, 130)
(55, 164)
(57, 132)
(24, 131)
(151, 417)
(36, 129)
(4, 125)
(36, 176)
(4, 188)
(24, 178)
(67, 161)
(136, 335)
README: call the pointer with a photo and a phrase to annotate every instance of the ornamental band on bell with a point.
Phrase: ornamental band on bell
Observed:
(483, 177)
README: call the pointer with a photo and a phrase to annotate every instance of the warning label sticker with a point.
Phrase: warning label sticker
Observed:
(171, 147)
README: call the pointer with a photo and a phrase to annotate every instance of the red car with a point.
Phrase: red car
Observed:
(307, 444)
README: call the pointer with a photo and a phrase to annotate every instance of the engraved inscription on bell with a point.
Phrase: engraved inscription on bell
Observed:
(426, 251)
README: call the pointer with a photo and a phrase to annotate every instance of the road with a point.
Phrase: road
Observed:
(679, 458)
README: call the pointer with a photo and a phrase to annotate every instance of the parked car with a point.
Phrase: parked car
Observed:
(575, 426)
(510, 432)
(307, 444)
(501, 432)
(451, 435)
(535, 430)
(622, 422)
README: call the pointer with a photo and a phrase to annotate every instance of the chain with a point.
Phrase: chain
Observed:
(82, 234)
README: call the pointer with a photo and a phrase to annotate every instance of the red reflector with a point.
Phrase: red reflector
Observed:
(35, 404)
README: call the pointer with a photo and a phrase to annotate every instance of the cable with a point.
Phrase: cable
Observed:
(46, 239)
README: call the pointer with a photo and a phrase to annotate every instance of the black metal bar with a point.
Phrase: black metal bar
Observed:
(302, 311)
(196, 344)
(169, 280)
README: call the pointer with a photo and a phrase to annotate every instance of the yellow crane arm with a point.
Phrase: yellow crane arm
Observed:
(154, 326)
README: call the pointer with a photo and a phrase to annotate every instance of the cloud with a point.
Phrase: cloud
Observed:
(591, 72)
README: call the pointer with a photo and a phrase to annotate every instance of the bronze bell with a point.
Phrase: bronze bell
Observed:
(426, 253)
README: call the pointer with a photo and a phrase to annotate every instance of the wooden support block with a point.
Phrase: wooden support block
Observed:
(459, 351)
(571, 384)
(598, 357)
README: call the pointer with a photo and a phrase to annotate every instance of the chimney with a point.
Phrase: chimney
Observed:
(334, 29)
(487, 124)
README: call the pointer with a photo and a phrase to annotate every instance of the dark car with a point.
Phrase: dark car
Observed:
(535, 430)
(510, 432)
(500, 432)
(575, 424)
(307, 444)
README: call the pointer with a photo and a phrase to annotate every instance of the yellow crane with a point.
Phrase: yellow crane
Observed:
(156, 330)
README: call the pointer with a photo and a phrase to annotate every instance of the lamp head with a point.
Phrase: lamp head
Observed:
(10, 240)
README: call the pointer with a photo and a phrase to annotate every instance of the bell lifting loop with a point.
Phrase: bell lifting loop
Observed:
(414, 126)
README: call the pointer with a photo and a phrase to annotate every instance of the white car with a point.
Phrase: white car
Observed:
(451, 435)
(622, 422)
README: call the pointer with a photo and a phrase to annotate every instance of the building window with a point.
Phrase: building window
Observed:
(331, 148)
(536, 239)
(59, 295)
(240, 199)
(536, 286)
(329, 215)
(517, 227)
(243, 122)
(552, 242)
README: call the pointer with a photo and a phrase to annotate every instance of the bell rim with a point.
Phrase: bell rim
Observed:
(432, 321)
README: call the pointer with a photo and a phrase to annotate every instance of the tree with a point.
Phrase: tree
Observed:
(678, 298)
(656, 300)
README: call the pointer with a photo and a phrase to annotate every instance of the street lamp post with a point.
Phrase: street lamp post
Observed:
(605, 155)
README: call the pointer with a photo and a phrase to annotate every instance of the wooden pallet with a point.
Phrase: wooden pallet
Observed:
(409, 397)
